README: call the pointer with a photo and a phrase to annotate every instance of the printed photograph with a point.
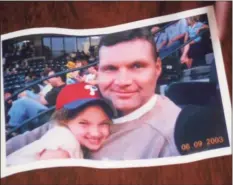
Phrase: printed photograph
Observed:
(144, 93)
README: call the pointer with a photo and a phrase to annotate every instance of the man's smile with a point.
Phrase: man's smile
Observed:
(124, 94)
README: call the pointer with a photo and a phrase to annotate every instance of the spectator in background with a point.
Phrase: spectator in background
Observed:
(71, 77)
(57, 83)
(176, 33)
(191, 49)
(46, 71)
(33, 92)
(91, 77)
(31, 77)
(81, 61)
(78, 63)
(160, 40)
(45, 88)
(82, 58)
(27, 79)
(24, 108)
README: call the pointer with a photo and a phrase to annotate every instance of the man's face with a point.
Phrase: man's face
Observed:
(128, 74)
(52, 81)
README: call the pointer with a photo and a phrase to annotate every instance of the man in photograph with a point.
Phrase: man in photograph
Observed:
(128, 72)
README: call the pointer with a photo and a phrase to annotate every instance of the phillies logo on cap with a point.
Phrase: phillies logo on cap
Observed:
(76, 92)
(92, 89)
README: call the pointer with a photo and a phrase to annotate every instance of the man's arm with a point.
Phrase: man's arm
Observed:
(49, 98)
(26, 138)
(178, 37)
(161, 45)
(186, 37)
(182, 29)
(42, 100)
(204, 26)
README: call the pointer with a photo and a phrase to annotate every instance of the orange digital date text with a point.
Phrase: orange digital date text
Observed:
(200, 143)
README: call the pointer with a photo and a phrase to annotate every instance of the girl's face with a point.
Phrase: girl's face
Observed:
(91, 127)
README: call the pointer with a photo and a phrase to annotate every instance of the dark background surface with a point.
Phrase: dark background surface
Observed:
(78, 15)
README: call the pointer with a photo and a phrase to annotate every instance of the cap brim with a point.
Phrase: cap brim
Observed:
(108, 108)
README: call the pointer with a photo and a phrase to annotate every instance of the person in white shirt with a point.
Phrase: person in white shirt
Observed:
(91, 77)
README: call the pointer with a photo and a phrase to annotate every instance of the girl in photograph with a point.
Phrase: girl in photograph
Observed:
(81, 123)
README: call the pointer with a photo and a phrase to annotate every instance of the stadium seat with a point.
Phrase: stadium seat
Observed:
(207, 121)
(171, 70)
(191, 93)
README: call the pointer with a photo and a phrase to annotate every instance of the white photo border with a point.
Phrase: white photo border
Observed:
(225, 96)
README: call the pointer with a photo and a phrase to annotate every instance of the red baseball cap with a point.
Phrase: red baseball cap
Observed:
(80, 94)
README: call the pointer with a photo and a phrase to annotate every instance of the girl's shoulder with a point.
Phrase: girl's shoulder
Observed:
(59, 136)
(57, 130)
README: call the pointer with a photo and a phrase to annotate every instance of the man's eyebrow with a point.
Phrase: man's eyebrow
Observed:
(83, 120)
(107, 65)
(106, 121)
(141, 61)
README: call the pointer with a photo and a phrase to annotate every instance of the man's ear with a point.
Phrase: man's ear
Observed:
(158, 66)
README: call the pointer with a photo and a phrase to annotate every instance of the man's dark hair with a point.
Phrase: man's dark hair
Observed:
(129, 35)
(57, 70)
